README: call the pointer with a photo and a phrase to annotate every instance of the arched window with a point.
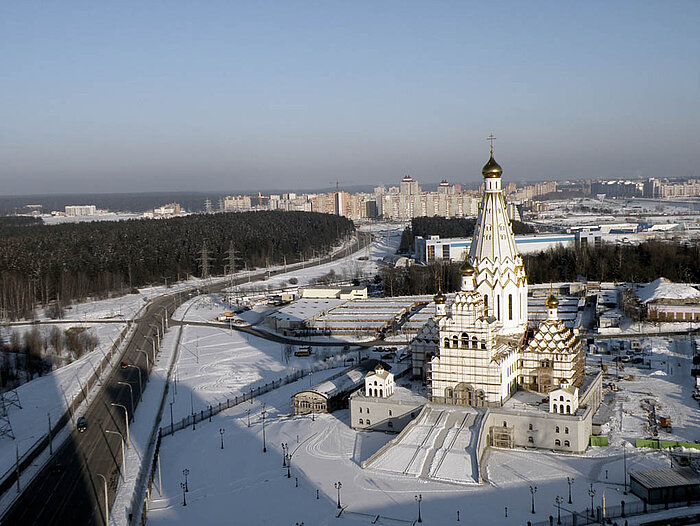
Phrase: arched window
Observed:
(561, 398)
(557, 442)
(483, 344)
(556, 429)
(368, 412)
(510, 306)
(566, 430)
(390, 412)
(465, 340)
(447, 343)
(530, 440)
(361, 422)
(360, 409)
(367, 422)
(529, 427)
(567, 443)
(505, 424)
(381, 393)
(568, 409)
(475, 342)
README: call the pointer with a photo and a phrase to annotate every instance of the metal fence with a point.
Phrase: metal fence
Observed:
(610, 515)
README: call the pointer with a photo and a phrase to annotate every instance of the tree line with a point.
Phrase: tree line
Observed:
(41, 264)
(640, 263)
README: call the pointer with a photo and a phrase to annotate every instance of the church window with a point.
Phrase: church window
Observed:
(561, 398)
(557, 442)
(447, 343)
(566, 430)
(505, 424)
(567, 443)
(368, 412)
(465, 340)
(455, 341)
(568, 409)
(510, 306)
(360, 409)
(367, 422)
(361, 422)
(556, 429)
(390, 412)
(483, 344)
(530, 440)
(381, 392)
(529, 427)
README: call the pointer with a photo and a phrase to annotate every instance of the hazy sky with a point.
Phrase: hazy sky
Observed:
(233, 96)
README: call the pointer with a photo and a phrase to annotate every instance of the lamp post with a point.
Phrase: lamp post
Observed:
(126, 420)
(131, 393)
(533, 490)
(264, 412)
(558, 500)
(591, 492)
(284, 455)
(419, 498)
(184, 491)
(570, 481)
(337, 486)
(106, 517)
(289, 465)
(221, 432)
(123, 470)
(186, 472)
(624, 458)
(132, 366)
(248, 411)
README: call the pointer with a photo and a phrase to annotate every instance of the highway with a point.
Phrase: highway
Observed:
(70, 489)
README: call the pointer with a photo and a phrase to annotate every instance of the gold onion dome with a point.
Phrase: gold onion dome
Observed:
(551, 302)
(439, 297)
(466, 269)
(491, 169)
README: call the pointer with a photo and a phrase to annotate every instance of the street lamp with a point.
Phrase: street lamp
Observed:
(184, 491)
(337, 486)
(264, 412)
(558, 500)
(570, 481)
(106, 496)
(131, 393)
(284, 455)
(591, 492)
(248, 411)
(533, 490)
(221, 432)
(186, 472)
(123, 470)
(624, 458)
(126, 420)
(419, 498)
(126, 365)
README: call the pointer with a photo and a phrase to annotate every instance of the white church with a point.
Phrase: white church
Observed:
(480, 349)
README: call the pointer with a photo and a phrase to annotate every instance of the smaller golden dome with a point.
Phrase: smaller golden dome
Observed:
(551, 302)
(439, 297)
(466, 269)
(491, 169)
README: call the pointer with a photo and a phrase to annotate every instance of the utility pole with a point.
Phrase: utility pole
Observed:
(204, 261)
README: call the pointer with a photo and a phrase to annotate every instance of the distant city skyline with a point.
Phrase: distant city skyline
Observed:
(248, 96)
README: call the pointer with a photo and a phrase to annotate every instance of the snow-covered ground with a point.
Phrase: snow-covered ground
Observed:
(50, 395)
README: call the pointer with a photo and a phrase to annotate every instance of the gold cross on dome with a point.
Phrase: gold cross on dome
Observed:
(491, 138)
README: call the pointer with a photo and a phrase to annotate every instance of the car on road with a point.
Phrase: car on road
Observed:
(82, 424)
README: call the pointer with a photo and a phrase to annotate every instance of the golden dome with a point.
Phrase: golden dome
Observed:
(466, 269)
(439, 297)
(491, 169)
(551, 302)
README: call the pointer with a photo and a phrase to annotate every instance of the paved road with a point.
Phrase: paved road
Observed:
(70, 488)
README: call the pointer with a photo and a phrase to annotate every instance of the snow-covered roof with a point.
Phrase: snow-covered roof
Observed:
(663, 290)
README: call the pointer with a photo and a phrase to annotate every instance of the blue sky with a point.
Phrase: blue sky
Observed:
(246, 96)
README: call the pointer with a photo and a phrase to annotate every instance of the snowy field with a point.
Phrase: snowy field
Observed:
(50, 394)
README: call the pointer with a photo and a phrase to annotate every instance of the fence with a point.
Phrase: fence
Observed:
(608, 516)
(10, 477)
